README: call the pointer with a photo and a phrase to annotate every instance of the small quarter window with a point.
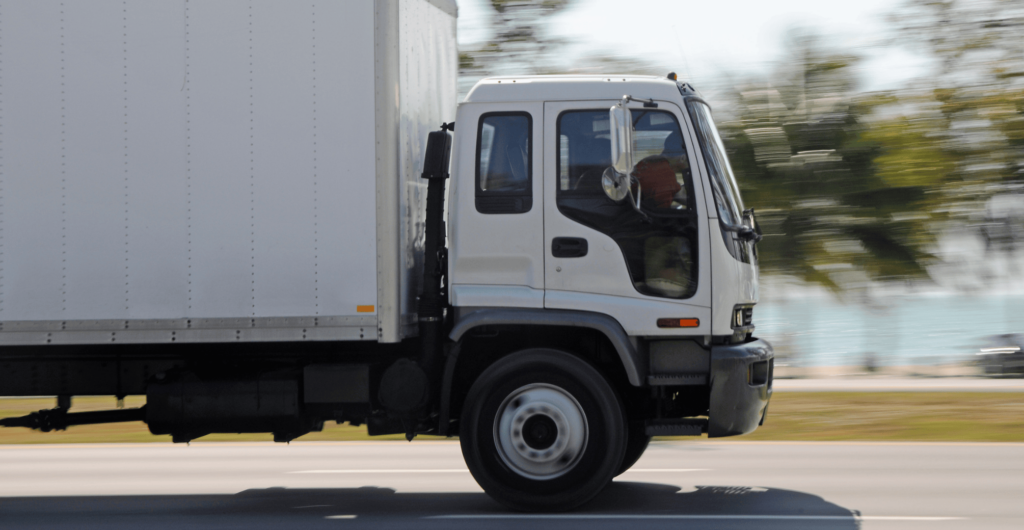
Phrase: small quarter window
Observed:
(504, 163)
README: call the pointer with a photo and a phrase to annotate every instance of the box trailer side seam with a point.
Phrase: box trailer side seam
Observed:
(149, 331)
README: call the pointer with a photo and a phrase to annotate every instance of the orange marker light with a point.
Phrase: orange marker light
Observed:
(678, 322)
(364, 309)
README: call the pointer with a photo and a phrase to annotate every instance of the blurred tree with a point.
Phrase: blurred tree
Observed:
(977, 101)
(972, 113)
(802, 151)
(519, 43)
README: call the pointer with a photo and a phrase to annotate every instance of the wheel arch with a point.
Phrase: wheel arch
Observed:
(632, 362)
(623, 362)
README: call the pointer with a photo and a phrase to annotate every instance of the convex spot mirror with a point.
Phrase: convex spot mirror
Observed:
(615, 184)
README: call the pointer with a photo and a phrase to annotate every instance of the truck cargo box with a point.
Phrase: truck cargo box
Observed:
(216, 171)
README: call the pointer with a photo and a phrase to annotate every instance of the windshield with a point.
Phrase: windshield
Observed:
(727, 193)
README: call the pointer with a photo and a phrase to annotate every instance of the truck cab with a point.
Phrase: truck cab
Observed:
(598, 216)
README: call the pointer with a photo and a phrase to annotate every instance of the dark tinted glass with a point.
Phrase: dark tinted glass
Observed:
(503, 163)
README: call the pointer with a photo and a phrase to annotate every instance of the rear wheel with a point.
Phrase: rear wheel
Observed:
(542, 430)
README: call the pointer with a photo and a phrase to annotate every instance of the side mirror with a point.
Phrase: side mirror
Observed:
(621, 126)
(751, 231)
(618, 181)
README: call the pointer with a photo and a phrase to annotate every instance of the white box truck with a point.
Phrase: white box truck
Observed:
(242, 210)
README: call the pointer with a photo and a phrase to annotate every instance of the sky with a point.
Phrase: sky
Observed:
(702, 41)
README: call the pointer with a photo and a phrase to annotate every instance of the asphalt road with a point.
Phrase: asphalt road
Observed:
(701, 484)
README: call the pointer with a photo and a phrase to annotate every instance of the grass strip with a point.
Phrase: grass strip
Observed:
(798, 416)
(894, 416)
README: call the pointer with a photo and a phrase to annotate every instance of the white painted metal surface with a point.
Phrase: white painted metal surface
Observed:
(570, 88)
(495, 249)
(496, 296)
(735, 282)
(203, 161)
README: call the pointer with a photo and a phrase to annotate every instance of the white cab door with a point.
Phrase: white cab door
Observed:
(601, 255)
(496, 256)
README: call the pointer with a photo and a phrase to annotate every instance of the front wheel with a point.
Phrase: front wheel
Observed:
(636, 443)
(542, 430)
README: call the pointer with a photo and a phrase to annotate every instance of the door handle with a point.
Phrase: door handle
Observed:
(568, 247)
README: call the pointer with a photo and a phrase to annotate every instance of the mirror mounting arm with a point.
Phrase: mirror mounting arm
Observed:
(635, 200)
(744, 232)
(648, 103)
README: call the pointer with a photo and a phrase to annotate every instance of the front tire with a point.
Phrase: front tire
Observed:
(636, 443)
(542, 430)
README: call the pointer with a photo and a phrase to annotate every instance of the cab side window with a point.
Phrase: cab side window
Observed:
(504, 160)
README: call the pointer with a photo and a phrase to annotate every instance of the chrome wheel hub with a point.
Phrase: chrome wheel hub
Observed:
(540, 431)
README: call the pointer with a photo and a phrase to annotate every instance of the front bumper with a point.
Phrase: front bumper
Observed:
(741, 385)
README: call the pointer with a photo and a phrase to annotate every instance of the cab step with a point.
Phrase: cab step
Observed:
(676, 427)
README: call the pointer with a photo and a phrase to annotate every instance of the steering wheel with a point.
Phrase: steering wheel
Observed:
(590, 175)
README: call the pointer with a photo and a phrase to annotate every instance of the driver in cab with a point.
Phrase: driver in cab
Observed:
(657, 176)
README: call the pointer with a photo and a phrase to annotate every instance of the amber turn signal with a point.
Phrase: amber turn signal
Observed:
(678, 322)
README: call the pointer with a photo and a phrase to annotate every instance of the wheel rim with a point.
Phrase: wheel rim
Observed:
(540, 431)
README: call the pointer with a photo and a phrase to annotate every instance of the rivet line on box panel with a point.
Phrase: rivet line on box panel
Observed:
(63, 176)
(187, 88)
(127, 281)
(252, 170)
(316, 235)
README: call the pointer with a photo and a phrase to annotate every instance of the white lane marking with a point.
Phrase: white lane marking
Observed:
(352, 471)
(666, 470)
(850, 517)
(340, 517)
(907, 518)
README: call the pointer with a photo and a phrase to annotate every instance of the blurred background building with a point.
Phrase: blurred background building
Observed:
(881, 144)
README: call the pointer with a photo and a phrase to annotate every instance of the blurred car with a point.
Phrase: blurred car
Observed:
(1003, 354)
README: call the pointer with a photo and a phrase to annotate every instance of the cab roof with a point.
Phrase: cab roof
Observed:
(572, 87)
